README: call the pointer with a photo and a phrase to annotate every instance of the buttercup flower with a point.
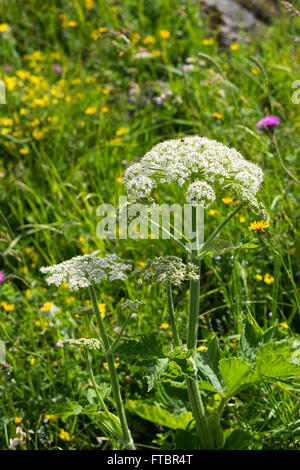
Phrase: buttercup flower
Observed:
(269, 122)
(84, 271)
(206, 164)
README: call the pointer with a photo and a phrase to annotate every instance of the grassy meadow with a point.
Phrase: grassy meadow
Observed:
(91, 86)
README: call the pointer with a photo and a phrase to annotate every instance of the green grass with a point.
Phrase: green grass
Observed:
(72, 162)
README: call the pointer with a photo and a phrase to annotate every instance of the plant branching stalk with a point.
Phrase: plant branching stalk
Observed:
(205, 438)
(204, 435)
(128, 442)
(171, 314)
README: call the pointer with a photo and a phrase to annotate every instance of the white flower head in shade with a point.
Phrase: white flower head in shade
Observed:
(207, 165)
(200, 193)
(84, 271)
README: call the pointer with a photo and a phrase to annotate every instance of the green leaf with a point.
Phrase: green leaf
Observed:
(147, 346)
(110, 424)
(279, 359)
(158, 415)
(236, 373)
(185, 440)
(154, 369)
(251, 339)
(216, 429)
(238, 440)
(208, 367)
(219, 246)
(64, 410)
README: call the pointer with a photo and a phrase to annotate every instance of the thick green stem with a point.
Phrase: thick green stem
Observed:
(128, 442)
(171, 314)
(205, 438)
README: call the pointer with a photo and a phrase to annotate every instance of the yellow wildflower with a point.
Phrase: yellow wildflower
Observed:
(242, 219)
(102, 308)
(258, 226)
(164, 34)
(202, 348)
(7, 307)
(91, 111)
(227, 200)
(105, 365)
(103, 29)
(4, 27)
(105, 109)
(47, 306)
(213, 211)
(268, 279)
(122, 131)
(72, 24)
(164, 326)
(255, 71)
(234, 47)
(208, 42)
(31, 360)
(149, 40)
(284, 325)
(24, 151)
(105, 91)
(258, 277)
(119, 179)
(64, 435)
(18, 420)
(217, 115)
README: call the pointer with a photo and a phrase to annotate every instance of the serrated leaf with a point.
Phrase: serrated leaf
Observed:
(64, 410)
(208, 367)
(250, 340)
(147, 346)
(236, 374)
(154, 369)
(279, 359)
(158, 415)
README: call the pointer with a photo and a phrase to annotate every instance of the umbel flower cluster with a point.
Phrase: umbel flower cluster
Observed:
(167, 270)
(85, 343)
(84, 271)
(204, 164)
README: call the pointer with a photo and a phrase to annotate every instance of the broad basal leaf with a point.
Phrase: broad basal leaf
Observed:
(236, 373)
(159, 415)
(279, 359)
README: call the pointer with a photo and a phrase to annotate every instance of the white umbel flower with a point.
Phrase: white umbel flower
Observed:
(200, 193)
(194, 159)
(84, 271)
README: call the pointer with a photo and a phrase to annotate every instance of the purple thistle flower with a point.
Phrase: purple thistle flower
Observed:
(2, 276)
(5, 366)
(269, 122)
(57, 68)
(8, 68)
